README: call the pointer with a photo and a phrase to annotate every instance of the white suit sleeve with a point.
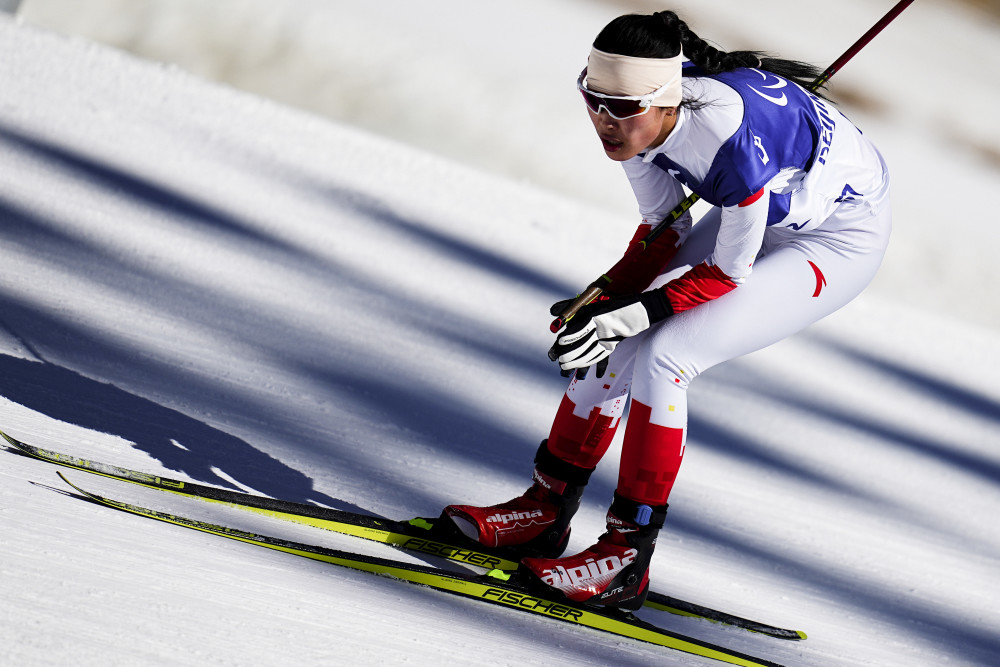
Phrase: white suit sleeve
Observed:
(741, 233)
(657, 193)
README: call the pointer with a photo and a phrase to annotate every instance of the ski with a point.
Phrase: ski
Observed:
(496, 587)
(423, 535)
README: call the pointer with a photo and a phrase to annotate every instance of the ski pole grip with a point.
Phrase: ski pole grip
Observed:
(567, 314)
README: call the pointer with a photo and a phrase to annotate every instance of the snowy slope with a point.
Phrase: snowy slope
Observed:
(204, 283)
(493, 88)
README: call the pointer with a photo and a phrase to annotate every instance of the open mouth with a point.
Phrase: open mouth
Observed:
(611, 145)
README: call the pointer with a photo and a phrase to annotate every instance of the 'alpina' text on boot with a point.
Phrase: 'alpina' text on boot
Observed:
(513, 516)
(589, 572)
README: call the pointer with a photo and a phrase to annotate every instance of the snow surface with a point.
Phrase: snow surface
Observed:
(492, 86)
(204, 283)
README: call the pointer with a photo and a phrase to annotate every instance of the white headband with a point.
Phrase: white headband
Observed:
(612, 74)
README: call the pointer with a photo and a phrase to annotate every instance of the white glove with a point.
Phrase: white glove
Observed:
(593, 333)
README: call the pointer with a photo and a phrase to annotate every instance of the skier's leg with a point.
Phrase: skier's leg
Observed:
(800, 280)
(538, 521)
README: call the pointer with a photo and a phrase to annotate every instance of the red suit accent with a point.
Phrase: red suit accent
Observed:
(820, 279)
(651, 457)
(752, 198)
(580, 441)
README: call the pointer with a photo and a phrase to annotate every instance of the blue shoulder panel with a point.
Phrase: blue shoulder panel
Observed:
(783, 126)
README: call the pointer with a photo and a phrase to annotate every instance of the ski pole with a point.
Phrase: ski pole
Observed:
(597, 287)
(860, 44)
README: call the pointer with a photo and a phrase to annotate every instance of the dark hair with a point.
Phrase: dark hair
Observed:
(663, 35)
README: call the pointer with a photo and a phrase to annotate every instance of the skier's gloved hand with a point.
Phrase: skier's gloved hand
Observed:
(557, 310)
(593, 333)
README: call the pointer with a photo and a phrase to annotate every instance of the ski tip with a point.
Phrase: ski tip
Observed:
(85, 494)
(63, 478)
(801, 634)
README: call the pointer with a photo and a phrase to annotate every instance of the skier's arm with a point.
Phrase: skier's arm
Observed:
(640, 265)
(657, 194)
(741, 233)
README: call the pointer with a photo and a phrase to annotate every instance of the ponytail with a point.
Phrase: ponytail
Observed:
(664, 35)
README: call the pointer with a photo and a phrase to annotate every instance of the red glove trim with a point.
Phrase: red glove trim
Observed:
(702, 283)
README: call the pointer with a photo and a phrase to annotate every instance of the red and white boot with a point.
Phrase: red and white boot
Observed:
(614, 572)
(535, 523)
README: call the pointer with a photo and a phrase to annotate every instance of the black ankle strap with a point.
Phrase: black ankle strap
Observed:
(640, 514)
(551, 465)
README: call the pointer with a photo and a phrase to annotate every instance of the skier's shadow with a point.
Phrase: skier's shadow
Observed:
(179, 442)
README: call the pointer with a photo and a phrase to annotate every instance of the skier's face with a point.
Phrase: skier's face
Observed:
(626, 138)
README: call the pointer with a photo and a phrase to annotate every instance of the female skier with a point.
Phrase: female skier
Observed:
(800, 197)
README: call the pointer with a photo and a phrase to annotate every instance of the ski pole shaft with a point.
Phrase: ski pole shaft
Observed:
(861, 43)
(597, 287)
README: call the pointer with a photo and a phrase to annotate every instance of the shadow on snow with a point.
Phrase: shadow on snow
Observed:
(84, 379)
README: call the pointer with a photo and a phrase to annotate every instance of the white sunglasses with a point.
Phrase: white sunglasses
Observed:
(620, 107)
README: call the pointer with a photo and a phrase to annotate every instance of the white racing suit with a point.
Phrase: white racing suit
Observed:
(800, 225)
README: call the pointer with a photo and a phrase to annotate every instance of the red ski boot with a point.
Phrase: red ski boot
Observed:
(533, 524)
(615, 571)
